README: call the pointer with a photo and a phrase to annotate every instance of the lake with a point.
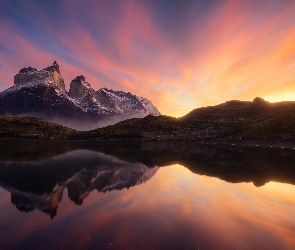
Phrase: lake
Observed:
(145, 195)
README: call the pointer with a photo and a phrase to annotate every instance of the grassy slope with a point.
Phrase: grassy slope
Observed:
(32, 128)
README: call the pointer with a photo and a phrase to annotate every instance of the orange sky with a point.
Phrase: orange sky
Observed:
(179, 54)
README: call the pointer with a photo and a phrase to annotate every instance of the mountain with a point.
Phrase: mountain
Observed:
(42, 94)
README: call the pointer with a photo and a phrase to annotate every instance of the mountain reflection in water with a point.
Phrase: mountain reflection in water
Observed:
(179, 205)
(40, 184)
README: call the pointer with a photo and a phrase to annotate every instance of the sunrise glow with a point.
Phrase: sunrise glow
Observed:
(178, 54)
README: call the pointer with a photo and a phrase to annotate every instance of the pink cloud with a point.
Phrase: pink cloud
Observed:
(241, 51)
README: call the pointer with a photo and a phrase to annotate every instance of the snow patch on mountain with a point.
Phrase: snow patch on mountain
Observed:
(127, 103)
(104, 106)
(19, 87)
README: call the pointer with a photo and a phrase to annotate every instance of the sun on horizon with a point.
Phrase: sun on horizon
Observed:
(180, 55)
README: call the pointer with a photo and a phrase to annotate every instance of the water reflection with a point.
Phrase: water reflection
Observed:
(188, 199)
(228, 163)
(40, 184)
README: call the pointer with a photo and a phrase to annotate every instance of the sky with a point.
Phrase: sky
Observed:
(179, 54)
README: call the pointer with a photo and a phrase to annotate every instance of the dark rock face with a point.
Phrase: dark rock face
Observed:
(79, 88)
(28, 70)
(50, 75)
(258, 101)
(43, 102)
(42, 94)
(54, 67)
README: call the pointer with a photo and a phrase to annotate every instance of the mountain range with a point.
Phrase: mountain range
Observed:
(87, 113)
(42, 94)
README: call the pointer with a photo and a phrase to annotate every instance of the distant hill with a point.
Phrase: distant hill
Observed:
(229, 121)
(232, 120)
(32, 128)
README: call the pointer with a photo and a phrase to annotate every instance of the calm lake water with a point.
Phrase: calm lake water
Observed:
(90, 195)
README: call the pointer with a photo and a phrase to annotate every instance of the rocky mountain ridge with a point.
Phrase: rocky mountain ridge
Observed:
(42, 94)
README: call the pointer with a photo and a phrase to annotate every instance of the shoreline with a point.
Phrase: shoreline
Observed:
(259, 144)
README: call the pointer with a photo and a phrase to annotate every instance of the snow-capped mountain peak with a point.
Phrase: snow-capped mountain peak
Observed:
(42, 94)
(127, 103)
(49, 75)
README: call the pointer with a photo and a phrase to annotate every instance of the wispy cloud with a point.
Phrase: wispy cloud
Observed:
(179, 56)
